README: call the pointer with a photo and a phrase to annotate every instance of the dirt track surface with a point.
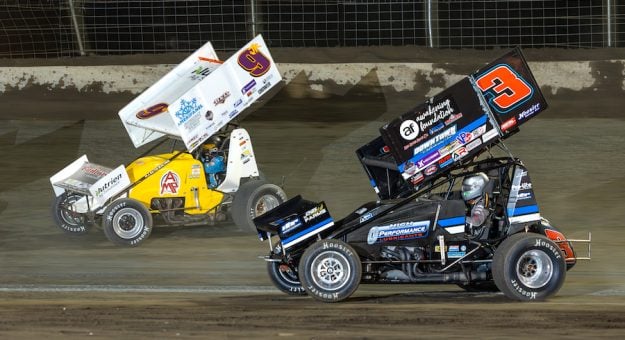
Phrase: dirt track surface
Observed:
(207, 282)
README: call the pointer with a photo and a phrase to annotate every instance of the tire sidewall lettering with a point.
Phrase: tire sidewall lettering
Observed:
(114, 210)
(518, 286)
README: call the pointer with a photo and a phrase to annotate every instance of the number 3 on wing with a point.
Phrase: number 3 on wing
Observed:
(504, 88)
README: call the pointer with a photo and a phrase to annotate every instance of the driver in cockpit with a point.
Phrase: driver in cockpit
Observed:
(473, 193)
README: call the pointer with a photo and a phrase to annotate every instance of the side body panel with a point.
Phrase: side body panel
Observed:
(182, 178)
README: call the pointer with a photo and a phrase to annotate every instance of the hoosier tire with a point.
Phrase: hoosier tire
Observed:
(330, 270)
(253, 199)
(71, 222)
(528, 267)
(127, 222)
(285, 278)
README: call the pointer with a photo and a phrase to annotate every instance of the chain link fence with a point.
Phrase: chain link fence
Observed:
(58, 28)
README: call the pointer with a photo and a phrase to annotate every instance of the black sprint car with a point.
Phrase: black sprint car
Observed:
(416, 232)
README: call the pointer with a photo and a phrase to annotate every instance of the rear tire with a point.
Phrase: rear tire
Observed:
(127, 222)
(330, 270)
(285, 278)
(528, 267)
(71, 222)
(253, 199)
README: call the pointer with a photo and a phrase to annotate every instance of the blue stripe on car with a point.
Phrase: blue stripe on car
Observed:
(454, 221)
(530, 209)
(308, 230)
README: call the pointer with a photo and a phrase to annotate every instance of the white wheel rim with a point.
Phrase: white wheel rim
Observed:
(128, 223)
(330, 270)
(535, 268)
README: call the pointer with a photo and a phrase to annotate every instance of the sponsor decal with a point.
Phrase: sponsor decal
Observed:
(508, 124)
(200, 72)
(187, 109)
(314, 213)
(416, 141)
(445, 161)
(449, 147)
(529, 112)
(233, 113)
(436, 140)
(398, 232)
(411, 169)
(465, 137)
(479, 131)
(429, 159)
(267, 79)
(455, 254)
(524, 196)
(452, 118)
(435, 113)
(253, 61)
(291, 225)
(238, 102)
(366, 217)
(209, 115)
(458, 154)
(152, 111)
(409, 129)
(263, 88)
(474, 144)
(221, 99)
(99, 192)
(170, 182)
(431, 170)
(248, 87)
(385, 149)
(196, 171)
(490, 135)
(523, 186)
(94, 172)
(416, 179)
(434, 129)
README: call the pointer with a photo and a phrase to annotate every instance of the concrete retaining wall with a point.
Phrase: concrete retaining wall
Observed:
(313, 79)
(567, 82)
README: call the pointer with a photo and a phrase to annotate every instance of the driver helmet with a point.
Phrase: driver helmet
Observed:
(473, 186)
(209, 149)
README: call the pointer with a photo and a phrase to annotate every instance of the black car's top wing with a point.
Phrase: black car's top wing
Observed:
(453, 126)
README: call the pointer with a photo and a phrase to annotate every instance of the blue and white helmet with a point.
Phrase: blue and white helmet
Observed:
(473, 186)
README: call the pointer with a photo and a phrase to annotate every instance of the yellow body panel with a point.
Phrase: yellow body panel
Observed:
(180, 178)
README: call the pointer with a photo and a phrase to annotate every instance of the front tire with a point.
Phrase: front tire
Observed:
(528, 267)
(66, 218)
(253, 199)
(330, 270)
(285, 278)
(127, 222)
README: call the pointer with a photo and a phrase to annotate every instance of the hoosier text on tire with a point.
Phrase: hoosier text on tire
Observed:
(127, 222)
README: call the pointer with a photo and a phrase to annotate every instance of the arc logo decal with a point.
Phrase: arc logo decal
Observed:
(253, 61)
(504, 88)
(170, 183)
(152, 111)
